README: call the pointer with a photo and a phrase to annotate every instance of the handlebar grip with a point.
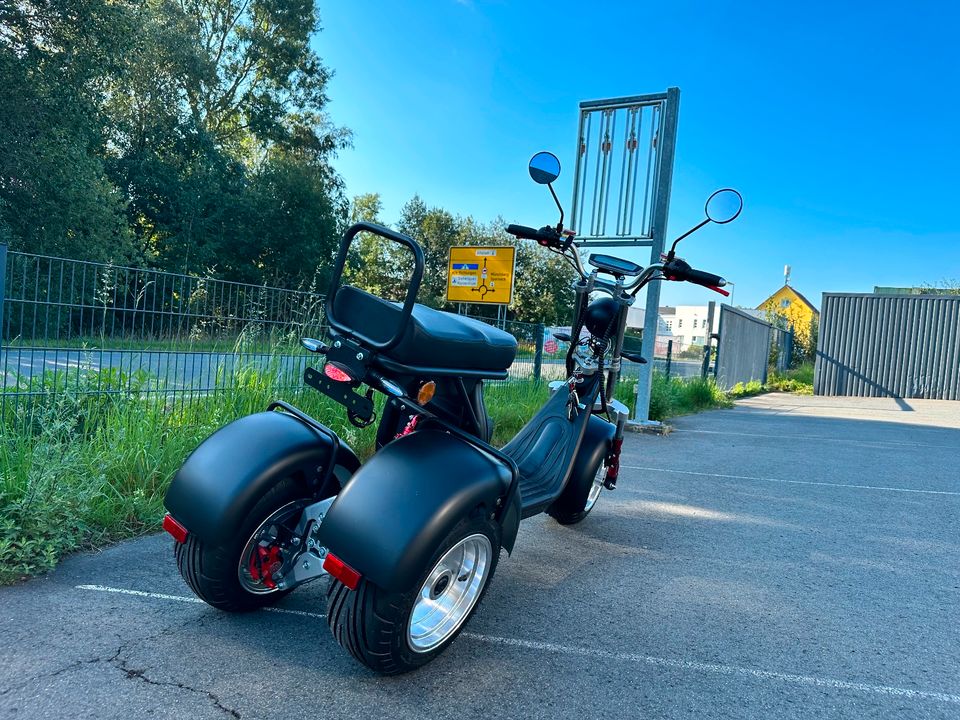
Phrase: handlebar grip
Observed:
(679, 270)
(706, 279)
(522, 231)
(545, 236)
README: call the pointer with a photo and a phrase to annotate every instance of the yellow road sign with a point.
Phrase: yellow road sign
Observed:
(481, 275)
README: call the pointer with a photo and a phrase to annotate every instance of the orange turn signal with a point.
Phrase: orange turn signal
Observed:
(426, 392)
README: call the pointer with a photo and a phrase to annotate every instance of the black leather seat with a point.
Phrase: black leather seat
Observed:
(432, 338)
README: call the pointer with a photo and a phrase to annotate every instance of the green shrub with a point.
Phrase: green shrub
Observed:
(754, 387)
(797, 380)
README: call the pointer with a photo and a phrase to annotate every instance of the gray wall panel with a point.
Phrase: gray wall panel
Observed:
(744, 348)
(904, 346)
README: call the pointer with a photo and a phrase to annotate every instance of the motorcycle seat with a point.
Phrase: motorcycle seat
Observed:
(432, 338)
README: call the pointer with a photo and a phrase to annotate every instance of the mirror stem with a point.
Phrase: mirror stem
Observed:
(688, 232)
(559, 207)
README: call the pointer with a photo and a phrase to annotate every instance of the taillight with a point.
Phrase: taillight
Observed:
(336, 373)
(341, 571)
(178, 531)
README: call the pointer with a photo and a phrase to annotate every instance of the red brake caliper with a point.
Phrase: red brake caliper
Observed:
(265, 561)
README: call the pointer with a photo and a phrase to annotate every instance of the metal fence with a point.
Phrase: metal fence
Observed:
(743, 351)
(889, 346)
(72, 328)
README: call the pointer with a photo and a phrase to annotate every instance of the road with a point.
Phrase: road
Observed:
(788, 558)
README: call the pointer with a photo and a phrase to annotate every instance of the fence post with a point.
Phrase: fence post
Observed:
(538, 353)
(669, 355)
(3, 286)
(707, 345)
(788, 350)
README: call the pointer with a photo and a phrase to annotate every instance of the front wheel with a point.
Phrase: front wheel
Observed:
(395, 632)
(579, 497)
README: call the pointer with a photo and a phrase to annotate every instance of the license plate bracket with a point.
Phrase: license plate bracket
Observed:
(342, 392)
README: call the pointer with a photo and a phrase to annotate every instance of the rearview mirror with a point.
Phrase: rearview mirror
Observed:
(544, 168)
(724, 206)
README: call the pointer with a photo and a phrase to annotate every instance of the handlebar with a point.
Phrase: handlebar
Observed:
(675, 269)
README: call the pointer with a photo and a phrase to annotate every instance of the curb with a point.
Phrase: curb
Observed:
(649, 428)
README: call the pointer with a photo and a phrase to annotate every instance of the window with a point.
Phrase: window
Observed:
(784, 303)
(680, 323)
(669, 324)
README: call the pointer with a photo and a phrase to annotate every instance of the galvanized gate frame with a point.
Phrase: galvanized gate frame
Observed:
(665, 108)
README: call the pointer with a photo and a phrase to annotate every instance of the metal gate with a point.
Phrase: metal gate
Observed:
(621, 188)
(905, 346)
(743, 351)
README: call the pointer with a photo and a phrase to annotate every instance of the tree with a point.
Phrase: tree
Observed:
(301, 201)
(375, 264)
(191, 134)
(435, 230)
(54, 195)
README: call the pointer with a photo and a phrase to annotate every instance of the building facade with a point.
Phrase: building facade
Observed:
(685, 325)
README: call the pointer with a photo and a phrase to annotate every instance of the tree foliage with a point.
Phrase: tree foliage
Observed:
(191, 134)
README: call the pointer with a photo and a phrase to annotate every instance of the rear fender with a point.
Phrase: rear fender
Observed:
(389, 519)
(221, 481)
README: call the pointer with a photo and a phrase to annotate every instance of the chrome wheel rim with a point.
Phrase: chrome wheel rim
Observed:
(267, 532)
(450, 593)
(595, 488)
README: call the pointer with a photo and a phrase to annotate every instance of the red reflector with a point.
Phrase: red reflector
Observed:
(178, 531)
(335, 373)
(341, 571)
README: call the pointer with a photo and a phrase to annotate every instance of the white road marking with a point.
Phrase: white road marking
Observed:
(718, 669)
(822, 438)
(714, 668)
(792, 482)
(181, 598)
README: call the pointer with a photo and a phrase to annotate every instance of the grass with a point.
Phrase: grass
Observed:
(797, 380)
(85, 470)
(672, 396)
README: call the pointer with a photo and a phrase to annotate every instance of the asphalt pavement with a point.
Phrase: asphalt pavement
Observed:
(789, 558)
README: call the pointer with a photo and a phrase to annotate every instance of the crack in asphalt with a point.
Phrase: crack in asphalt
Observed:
(122, 664)
(53, 673)
(140, 674)
(131, 673)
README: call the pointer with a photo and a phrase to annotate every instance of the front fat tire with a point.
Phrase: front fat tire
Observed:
(578, 498)
(372, 623)
(211, 570)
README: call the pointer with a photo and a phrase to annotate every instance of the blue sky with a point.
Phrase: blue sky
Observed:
(839, 122)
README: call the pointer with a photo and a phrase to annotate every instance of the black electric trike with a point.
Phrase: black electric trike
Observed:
(410, 539)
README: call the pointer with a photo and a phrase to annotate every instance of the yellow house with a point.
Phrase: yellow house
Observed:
(797, 311)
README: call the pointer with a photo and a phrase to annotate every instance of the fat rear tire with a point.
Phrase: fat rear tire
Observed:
(211, 570)
(372, 623)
